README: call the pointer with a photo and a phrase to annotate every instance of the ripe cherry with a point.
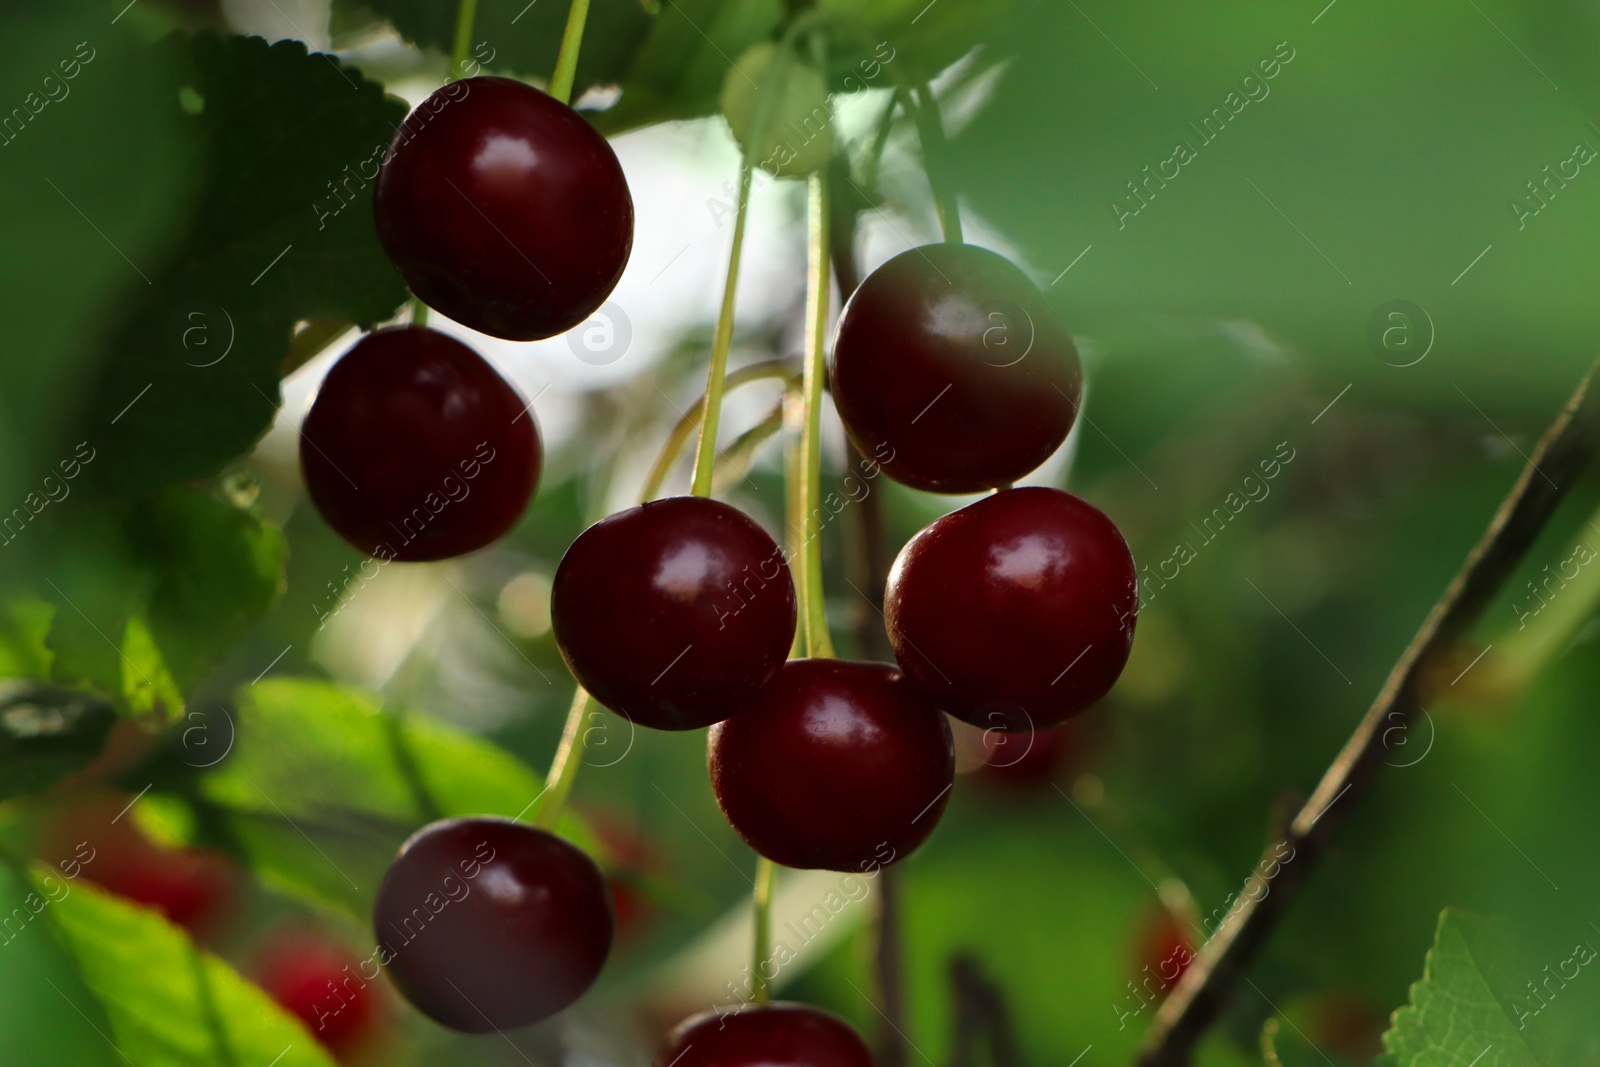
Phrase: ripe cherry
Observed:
(320, 982)
(1164, 950)
(503, 208)
(415, 448)
(674, 613)
(948, 360)
(837, 765)
(771, 1035)
(1016, 612)
(487, 923)
(100, 839)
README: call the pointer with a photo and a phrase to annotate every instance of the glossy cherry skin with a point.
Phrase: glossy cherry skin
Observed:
(771, 1035)
(490, 924)
(504, 209)
(674, 613)
(836, 765)
(322, 984)
(1016, 612)
(415, 448)
(949, 368)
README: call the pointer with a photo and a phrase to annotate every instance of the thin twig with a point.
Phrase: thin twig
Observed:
(1566, 448)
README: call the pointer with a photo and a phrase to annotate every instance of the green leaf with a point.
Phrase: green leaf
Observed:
(46, 733)
(150, 593)
(217, 567)
(47, 1015)
(678, 72)
(323, 785)
(283, 232)
(24, 626)
(168, 1003)
(1459, 1010)
(76, 221)
(925, 37)
(522, 38)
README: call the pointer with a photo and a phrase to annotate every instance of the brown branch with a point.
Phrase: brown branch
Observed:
(1564, 451)
(980, 1012)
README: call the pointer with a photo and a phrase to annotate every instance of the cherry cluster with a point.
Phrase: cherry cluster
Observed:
(503, 208)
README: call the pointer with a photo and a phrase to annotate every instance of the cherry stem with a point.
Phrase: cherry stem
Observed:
(935, 152)
(818, 643)
(673, 445)
(567, 58)
(466, 14)
(419, 312)
(766, 876)
(722, 340)
(563, 768)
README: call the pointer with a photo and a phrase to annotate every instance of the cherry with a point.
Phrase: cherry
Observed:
(837, 765)
(416, 449)
(771, 1035)
(100, 840)
(491, 924)
(674, 613)
(318, 981)
(1016, 612)
(1164, 951)
(503, 208)
(948, 360)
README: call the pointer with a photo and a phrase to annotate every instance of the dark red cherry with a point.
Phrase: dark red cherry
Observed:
(328, 988)
(951, 371)
(674, 613)
(837, 765)
(490, 924)
(503, 208)
(1016, 612)
(769, 1035)
(416, 449)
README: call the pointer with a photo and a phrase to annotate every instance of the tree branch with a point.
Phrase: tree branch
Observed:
(1564, 451)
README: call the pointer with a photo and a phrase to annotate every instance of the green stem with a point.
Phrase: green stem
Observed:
(766, 875)
(880, 138)
(818, 643)
(685, 426)
(721, 342)
(930, 130)
(564, 767)
(567, 58)
(419, 312)
(466, 14)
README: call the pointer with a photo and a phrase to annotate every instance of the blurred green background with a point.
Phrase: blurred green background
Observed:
(179, 581)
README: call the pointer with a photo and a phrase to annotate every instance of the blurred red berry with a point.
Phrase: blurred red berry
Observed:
(98, 839)
(320, 982)
(1347, 1025)
(1164, 950)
